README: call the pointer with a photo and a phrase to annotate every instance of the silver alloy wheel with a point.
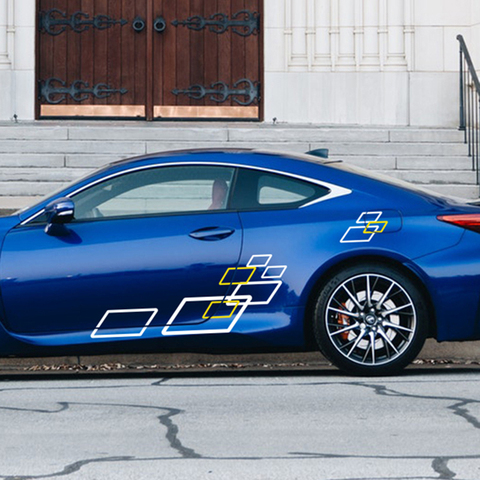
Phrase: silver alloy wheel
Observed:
(370, 319)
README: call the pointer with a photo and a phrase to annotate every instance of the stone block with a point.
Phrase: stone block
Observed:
(311, 134)
(434, 177)
(420, 135)
(434, 163)
(8, 174)
(66, 146)
(151, 132)
(394, 149)
(31, 160)
(469, 192)
(20, 131)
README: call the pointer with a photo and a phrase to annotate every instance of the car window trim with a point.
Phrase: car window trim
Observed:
(335, 190)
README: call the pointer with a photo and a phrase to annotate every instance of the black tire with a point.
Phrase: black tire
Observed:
(383, 308)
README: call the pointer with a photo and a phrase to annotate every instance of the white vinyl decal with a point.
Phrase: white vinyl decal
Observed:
(367, 226)
(260, 291)
(96, 334)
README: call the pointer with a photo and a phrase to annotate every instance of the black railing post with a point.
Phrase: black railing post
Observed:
(478, 140)
(470, 105)
(462, 106)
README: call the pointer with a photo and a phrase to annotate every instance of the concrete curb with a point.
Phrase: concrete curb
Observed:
(454, 352)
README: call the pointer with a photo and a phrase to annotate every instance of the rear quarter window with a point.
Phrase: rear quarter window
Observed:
(256, 189)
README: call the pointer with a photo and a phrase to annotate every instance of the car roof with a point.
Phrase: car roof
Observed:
(206, 152)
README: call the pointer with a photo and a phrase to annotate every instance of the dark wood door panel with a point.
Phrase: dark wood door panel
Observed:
(91, 61)
(206, 62)
(149, 58)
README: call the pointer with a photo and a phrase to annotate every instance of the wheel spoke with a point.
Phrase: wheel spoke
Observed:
(357, 341)
(346, 344)
(368, 291)
(387, 350)
(397, 327)
(386, 339)
(385, 295)
(372, 345)
(346, 329)
(344, 312)
(396, 309)
(353, 298)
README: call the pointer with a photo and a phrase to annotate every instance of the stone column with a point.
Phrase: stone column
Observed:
(371, 58)
(334, 33)
(299, 58)
(358, 33)
(4, 58)
(346, 25)
(396, 40)
(322, 58)
(409, 31)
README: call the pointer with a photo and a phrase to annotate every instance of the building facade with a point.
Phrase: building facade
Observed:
(354, 62)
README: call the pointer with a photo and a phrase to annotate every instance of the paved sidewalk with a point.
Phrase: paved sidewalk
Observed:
(455, 353)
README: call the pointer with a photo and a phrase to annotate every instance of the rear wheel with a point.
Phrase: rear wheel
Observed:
(370, 319)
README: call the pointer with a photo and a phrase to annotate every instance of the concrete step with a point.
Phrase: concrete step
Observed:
(35, 174)
(407, 163)
(38, 157)
(434, 177)
(462, 191)
(72, 146)
(122, 147)
(29, 189)
(32, 160)
(222, 132)
(429, 135)
(395, 149)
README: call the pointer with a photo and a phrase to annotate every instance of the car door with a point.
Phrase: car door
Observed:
(141, 243)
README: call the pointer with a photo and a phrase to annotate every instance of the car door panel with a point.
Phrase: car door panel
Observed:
(115, 277)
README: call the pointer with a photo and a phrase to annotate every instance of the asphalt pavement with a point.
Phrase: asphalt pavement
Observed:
(424, 424)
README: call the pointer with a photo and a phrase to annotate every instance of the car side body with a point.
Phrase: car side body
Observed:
(245, 277)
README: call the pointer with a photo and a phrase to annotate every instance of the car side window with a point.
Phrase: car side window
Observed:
(160, 190)
(256, 189)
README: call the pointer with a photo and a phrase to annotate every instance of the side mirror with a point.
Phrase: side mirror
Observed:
(59, 212)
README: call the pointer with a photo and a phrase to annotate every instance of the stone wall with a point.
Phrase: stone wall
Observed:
(17, 59)
(389, 62)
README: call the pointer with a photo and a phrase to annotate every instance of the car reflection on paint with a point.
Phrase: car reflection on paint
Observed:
(240, 251)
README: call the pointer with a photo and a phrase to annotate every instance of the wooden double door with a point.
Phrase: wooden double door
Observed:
(152, 59)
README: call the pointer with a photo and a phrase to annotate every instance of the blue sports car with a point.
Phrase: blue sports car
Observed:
(239, 250)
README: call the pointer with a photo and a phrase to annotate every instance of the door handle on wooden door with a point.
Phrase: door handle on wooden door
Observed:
(159, 25)
(138, 24)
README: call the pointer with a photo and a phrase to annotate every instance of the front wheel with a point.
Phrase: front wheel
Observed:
(370, 319)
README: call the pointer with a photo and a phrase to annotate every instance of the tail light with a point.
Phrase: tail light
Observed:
(470, 221)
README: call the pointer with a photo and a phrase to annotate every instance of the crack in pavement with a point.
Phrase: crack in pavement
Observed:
(68, 469)
(172, 434)
(458, 408)
(63, 406)
(440, 465)
(165, 420)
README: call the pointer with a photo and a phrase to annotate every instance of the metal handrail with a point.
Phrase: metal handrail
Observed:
(469, 104)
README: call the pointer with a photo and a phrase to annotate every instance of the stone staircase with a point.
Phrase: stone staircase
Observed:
(39, 157)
